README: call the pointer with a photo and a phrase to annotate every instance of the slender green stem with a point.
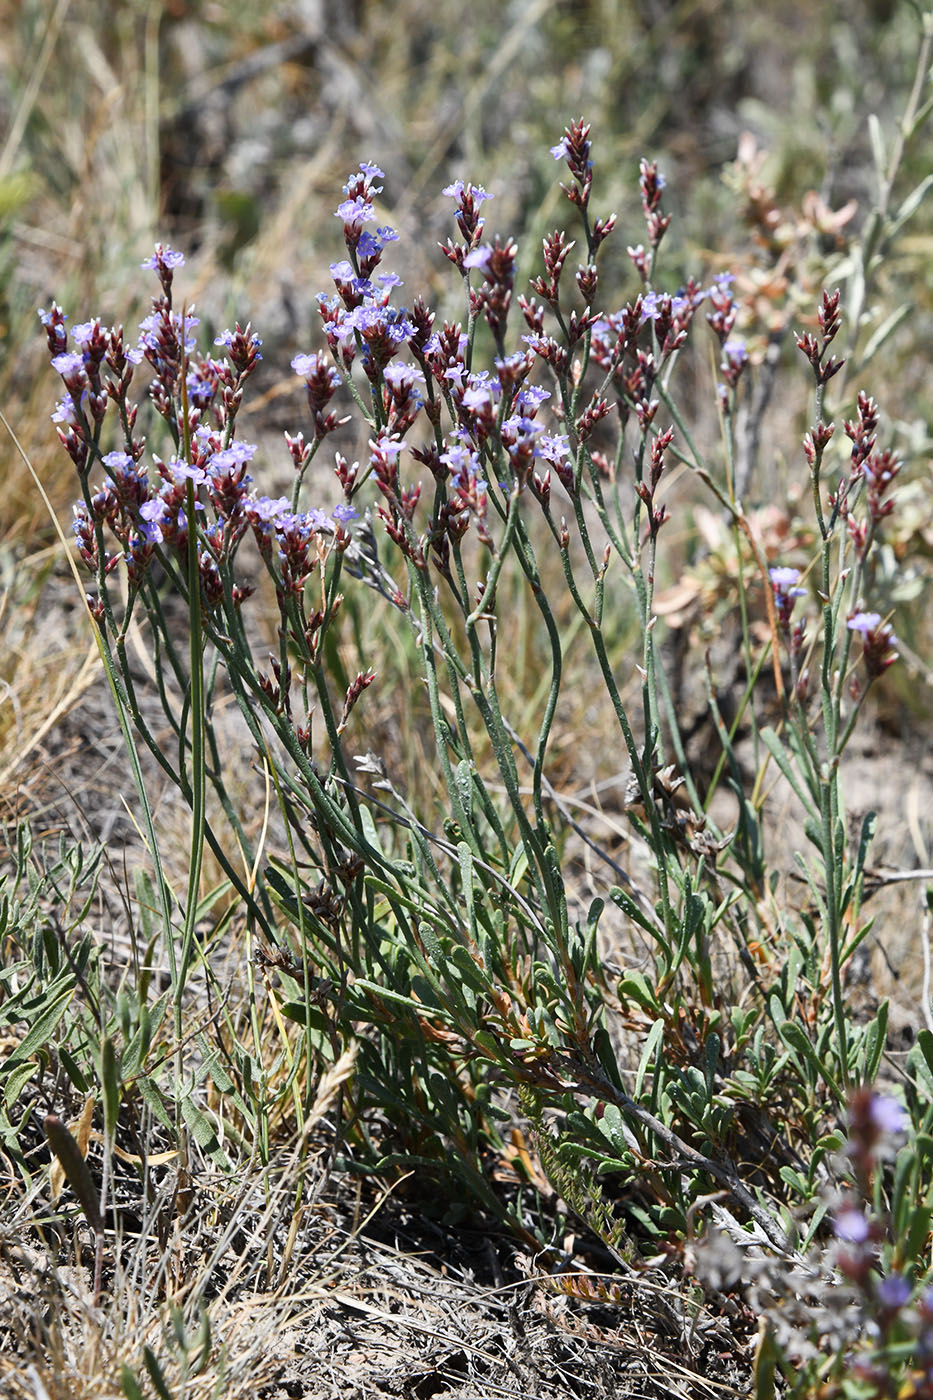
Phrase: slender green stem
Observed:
(197, 721)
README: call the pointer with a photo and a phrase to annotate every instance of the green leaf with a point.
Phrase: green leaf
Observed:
(75, 1168)
(465, 858)
(884, 332)
(634, 986)
(917, 1232)
(873, 1043)
(627, 904)
(177, 1319)
(908, 209)
(766, 1357)
(471, 973)
(797, 1040)
(463, 779)
(822, 1206)
(923, 1143)
(203, 1132)
(611, 1127)
(518, 867)
(73, 1070)
(387, 994)
(920, 1062)
(131, 1387)
(147, 901)
(202, 1342)
(110, 1084)
(156, 1374)
(778, 752)
(134, 1056)
(795, 1181)
(711, 1060)
(652, 1042)
(485, 1040)
(39, 1033)
(153, 1100)
(17, 1080)
(876, 136)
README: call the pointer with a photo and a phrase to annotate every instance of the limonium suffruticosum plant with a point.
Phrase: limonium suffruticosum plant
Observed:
(452, 952)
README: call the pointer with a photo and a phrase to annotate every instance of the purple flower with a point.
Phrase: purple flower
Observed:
(366, 172)
(455, 190)
(455, 374)
(164, 256)
(233, 456)
(878, 642)
(161, 324)
(55, 330)
(65, 412)
(201, 387)
(402, 377)
(307, 365)
(68, 365)
(182, 519)
(553, 448)
(477, 398)
(531, 397)
(479, 257)
(155, 514)
(389, 448)
(783, 580)
(85, 332)
(518, 424)
(292, 528)
(852, 1226)
(250, 341)
(181, 471)
(355, 211)
(119, 462)
(344, 512)
(893, 1292)
(265, 509)
(864, 623)
(560, 152)
(459, 460)
(887, 1114)
(369, 246)
(382, 327)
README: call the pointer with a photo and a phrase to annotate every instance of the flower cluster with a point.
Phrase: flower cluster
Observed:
(504, 432)
(146, 509)
(878, 642)
(784, 582)
(815, 348)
